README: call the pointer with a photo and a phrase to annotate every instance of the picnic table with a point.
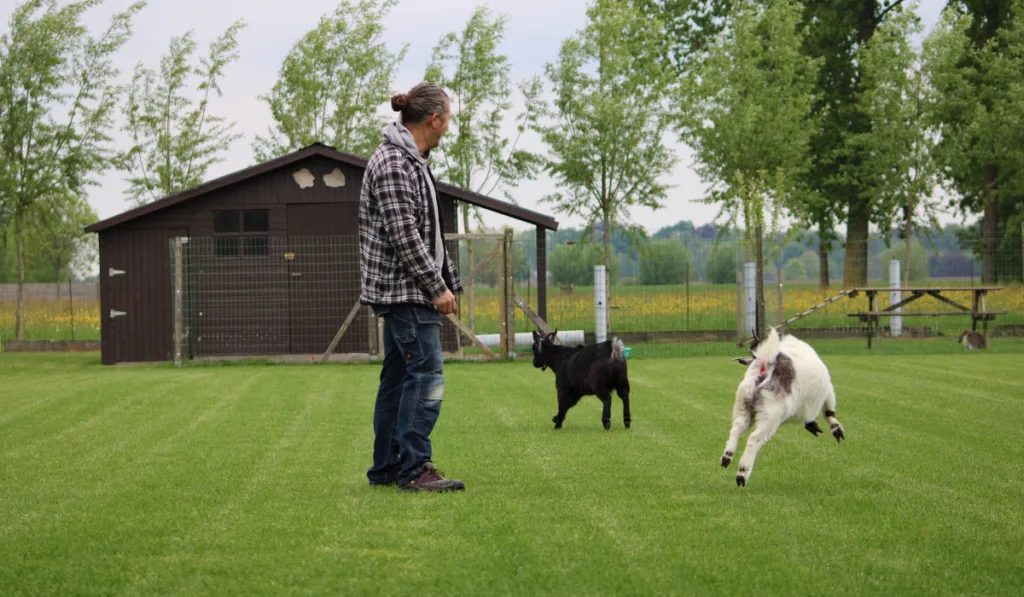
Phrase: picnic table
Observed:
(977, 310)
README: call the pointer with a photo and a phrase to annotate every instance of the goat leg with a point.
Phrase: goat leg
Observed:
(742, 417)
(767, 425)
(606, 410)
(623, 392)
(830, 416)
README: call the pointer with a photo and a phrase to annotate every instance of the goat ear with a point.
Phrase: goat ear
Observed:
(744, 361)
(536, 336)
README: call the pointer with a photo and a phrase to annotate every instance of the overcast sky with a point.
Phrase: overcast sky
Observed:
(533, 36)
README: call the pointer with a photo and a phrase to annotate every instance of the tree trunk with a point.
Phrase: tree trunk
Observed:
(990, 228)
(855, 272)
(470, 294)
(19, 234)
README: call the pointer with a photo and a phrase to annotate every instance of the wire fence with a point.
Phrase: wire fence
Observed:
(280, 295)
(277, 296)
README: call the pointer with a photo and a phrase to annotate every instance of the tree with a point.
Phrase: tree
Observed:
(57, 97)
(897, 172)
(722, 266)
(574, 264)
(689, 28)
(748, 117)
(605, 146)
(175, 140)
(832, 190)
(667, 262)
(975, 62)
(58, 238)
(476, 155)
(332, 82)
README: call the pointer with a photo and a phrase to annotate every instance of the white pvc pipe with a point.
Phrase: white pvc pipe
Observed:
(600, 304)
(750, 294)
(568, 337)
(895, 296)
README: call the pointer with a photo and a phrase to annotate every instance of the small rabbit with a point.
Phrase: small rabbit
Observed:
(972, 340)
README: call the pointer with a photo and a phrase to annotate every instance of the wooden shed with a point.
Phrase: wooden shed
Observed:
(271, 261)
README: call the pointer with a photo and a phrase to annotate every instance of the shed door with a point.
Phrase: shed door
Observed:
(137, 276)
(323, 237)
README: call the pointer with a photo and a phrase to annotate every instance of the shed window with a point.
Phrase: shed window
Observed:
(241, 232)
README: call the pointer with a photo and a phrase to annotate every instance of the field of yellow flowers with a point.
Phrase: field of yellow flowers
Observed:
(713, 307)
(52, 320)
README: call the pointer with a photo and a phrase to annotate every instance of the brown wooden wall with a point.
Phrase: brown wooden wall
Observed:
(245, 305)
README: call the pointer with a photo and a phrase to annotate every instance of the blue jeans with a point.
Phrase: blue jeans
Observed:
(410, 392)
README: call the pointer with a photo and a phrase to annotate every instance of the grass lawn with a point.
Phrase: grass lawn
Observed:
(249, 480)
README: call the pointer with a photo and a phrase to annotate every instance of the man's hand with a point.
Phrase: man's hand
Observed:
(445, 303)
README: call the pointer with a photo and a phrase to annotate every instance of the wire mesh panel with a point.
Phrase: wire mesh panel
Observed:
(271, 295)
(277, 295)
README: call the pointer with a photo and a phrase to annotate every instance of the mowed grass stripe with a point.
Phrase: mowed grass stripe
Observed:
(251, 480)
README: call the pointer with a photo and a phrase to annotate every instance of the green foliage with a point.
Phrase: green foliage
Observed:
(665, 262)
(574, 264)
(175, 139)
(57, 98)
(606, 151)
(722, 265)
(475, 154)
(748, 114)
(689, 28)
(332, 82)
(895, 169)
(978, 106)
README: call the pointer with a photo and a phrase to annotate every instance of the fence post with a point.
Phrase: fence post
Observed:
(759, 283)
(750, 295)
(600, 304)
(740, 290)
(782, 310)
(510, 295)
(177, 301)
(895, 296)
(502, 306)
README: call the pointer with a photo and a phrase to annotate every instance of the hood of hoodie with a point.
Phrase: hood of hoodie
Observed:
(402, 137)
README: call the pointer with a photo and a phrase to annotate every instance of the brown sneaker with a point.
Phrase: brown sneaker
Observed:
(432, 480)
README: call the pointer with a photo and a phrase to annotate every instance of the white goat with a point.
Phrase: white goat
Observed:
(784, 379)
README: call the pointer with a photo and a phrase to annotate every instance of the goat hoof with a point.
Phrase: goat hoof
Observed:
(813, 427)
(627, 424)
(607, 424)
(726, 460)
(837, 432)
(741, 481)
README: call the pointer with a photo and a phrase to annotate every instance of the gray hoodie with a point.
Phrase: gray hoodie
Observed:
(400, 136)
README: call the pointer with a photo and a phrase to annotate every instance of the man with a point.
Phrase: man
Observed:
(409, 280)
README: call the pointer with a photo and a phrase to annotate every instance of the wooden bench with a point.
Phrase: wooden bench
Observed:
(977, 310)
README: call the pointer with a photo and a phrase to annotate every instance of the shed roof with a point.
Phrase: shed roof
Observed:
(317, 149)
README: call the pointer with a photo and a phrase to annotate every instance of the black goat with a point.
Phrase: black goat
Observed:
(593, 370)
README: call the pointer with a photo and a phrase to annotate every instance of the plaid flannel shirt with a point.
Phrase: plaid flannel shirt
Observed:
(396, 233)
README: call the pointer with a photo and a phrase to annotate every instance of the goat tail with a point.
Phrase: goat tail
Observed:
(768, 349)
(617, 350)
